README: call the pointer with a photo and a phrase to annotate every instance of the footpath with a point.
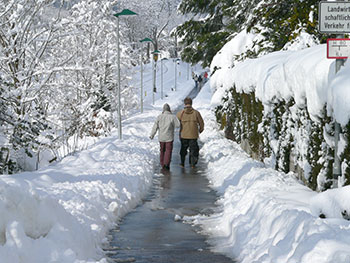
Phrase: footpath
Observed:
(155, 230)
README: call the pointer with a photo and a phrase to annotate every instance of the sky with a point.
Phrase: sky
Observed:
(63, 212)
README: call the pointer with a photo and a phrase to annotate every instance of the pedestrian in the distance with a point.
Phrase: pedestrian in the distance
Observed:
(195, 78)
(193, 74)
(192, 125)
(200, 84)
(165, 124)
(205, 77)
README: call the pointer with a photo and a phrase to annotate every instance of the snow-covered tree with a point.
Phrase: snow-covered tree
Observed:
(292, 139)
(214, 22)
(282, 22)
(205, 33)
(25, 37)
(86, 48)
(155, 20)
(58, 76)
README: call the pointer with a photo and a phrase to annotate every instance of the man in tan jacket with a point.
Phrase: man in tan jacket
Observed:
(191, 125)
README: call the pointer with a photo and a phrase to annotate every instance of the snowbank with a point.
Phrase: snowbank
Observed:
(305, 75)
(62, 213)
(265, 215)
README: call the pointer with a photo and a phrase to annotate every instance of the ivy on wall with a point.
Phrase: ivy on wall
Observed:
(345, 157)
(285, 133)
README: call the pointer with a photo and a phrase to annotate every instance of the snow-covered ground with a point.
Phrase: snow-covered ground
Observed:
(265, 215)
(269, 216)
(62, 213)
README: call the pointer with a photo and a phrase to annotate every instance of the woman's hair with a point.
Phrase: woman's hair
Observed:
(166, 107)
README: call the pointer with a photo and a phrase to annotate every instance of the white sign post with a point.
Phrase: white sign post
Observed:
(334, 17)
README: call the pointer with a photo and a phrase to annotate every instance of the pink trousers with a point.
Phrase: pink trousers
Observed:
(166, 149)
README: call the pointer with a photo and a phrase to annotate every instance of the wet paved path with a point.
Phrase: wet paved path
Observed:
(150, 233)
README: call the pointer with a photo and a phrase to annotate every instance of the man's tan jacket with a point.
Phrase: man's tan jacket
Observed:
(191, 123)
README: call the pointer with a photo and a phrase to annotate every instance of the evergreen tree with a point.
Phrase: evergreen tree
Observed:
(281, 22)
(205, 33)
(215, 22)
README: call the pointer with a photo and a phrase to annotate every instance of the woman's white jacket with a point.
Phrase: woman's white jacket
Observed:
(165, 124)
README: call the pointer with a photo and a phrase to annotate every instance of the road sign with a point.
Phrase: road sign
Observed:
(338, 48)
(334, 17)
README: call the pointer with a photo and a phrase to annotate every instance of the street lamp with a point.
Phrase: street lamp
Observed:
(161, 81)
(176, 60)
(155, 58)
(143, 40)
(125, 12)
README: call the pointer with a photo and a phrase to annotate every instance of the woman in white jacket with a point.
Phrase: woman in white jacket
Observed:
(165, 124)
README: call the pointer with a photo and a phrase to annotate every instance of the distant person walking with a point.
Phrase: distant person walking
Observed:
(191, 125)
(205, 77)
(165, 124)
(200, 82)
(195, 78)
(193, 74)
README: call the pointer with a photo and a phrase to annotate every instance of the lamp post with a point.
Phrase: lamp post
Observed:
(125, 12)
(143, 40)
(175, 60)
(188, 71)
(155, 58)
(161, 81)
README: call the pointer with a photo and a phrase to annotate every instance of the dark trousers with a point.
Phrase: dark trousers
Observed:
(166, 149)
(194, 150)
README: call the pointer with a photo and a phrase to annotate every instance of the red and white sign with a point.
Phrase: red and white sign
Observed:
(338, 48)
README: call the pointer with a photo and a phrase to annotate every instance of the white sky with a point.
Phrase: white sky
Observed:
(62, 213)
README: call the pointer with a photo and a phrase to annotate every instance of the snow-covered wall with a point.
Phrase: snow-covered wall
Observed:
(305, 76)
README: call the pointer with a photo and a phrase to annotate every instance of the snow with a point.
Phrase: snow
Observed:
(268, 216)
(305, 75)
(340, 95)
(63, 212)
(265, 215)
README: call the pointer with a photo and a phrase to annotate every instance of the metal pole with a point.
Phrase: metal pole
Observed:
(175, 74)
(155, 77)
(119, 87)
(188, 71)
(336, 166)
(154, 80)
(161, 82)
(141, 81)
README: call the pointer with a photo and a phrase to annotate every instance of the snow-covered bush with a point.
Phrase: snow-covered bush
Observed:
(282, 108)
(281, 134)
